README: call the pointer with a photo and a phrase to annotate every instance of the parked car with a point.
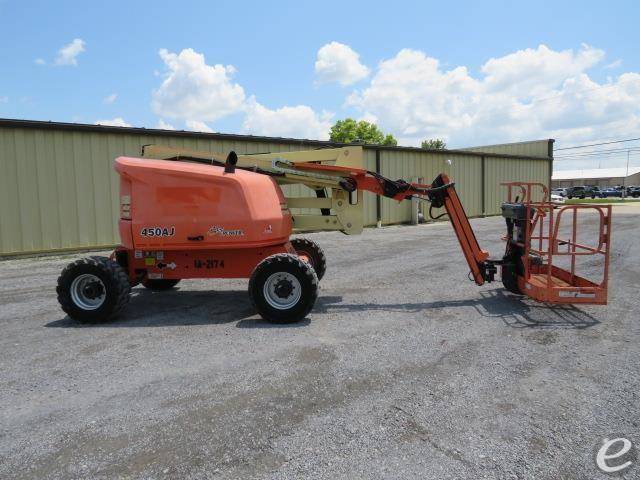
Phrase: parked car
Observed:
(633, 191)
(583, 191)
(559, 191)
(611, 192)
(556, 198)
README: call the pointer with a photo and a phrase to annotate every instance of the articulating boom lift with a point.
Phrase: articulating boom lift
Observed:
(188, 214)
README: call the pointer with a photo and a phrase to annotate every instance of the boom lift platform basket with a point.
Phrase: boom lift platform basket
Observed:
(534, 234)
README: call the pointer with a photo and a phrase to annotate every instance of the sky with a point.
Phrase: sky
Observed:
(472, 73)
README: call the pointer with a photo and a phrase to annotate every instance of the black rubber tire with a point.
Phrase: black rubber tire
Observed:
(512, 268)
(312, 250)
(569, 197)
(510, 278)
(160, 284)
(304, 273)
(116, 284)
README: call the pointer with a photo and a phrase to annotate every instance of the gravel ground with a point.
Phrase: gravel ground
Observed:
(404, 369)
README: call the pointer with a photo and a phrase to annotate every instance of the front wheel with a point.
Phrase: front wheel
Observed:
(93, 289)
(283, 288)
(312, 251)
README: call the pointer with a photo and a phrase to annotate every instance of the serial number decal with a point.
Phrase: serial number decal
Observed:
(208, 263)
(576, 294)
(158, 231)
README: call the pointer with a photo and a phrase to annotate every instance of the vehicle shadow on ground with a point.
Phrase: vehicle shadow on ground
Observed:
(178, 307)
(514, 311)
(182, 308)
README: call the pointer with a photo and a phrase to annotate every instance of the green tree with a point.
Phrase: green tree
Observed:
(434, 144)
(348, 131)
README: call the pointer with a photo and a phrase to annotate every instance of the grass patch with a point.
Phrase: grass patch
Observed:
(601, 200)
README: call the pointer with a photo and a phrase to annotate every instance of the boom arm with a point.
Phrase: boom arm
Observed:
(477, 259)
(441, 193)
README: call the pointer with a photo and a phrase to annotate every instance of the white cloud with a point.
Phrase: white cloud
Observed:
(532, 93)
(162, 125)
(197, 126)
(368, 117)
(114, 122)
(192, 90)
(337, 62)
(299, 121)
(68, 53)
(197, 93)
(110, 98)
(615, 64)
(39, 61)
(530, 71)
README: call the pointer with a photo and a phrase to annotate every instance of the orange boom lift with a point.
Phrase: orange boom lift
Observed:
(201, 215)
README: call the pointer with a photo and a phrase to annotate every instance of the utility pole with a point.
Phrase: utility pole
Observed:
(627, 163)
(624, 180)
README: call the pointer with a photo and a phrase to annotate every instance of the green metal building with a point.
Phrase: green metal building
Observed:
(58, 189)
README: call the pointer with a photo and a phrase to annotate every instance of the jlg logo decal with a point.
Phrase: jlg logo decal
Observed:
(216, 230)
(158, 231)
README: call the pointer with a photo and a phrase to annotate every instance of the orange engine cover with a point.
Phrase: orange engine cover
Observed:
(180, 206)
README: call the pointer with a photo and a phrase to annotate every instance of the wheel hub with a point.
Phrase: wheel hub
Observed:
(93, 290)
(88, 292)
(282, 290)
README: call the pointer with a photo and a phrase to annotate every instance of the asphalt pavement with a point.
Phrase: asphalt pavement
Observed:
(404, 369)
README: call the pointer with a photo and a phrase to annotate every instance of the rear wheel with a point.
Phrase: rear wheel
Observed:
(313, 252)
(160, 284)
(283, 288)
(93, 289)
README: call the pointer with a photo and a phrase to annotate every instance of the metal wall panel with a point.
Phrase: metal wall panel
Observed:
(370, 212)
(396, 165)
(535, 148)
(58, 189)
(464, 170)
(499, 170)
(10, 228)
